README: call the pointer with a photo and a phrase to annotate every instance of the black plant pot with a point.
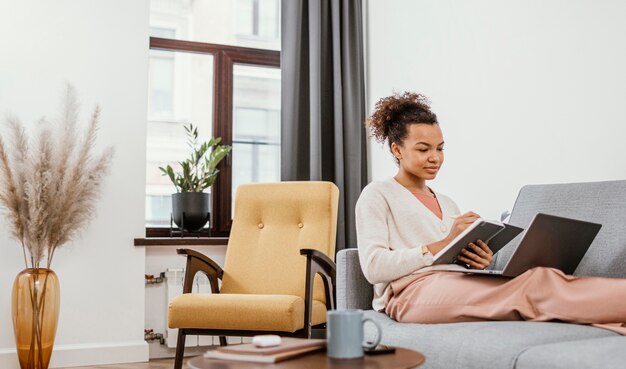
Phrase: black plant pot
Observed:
(190, 210)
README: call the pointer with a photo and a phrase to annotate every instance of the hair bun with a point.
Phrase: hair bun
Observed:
(392, 113)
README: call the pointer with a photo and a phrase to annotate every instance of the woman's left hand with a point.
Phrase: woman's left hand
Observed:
(476, 255)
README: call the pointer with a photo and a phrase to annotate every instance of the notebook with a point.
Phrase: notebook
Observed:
(495, 234)
(290, 347)
(549, 241)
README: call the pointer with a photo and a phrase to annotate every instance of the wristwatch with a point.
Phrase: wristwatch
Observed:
(427, 255)
(426, 251)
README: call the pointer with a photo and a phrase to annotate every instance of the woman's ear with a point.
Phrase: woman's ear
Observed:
(395, 151)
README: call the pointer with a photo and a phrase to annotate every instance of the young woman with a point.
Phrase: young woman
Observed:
(401, 223)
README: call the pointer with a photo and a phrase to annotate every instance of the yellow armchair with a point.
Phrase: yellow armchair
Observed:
(267, 286)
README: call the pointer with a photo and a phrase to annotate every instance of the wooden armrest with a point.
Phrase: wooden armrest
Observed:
(318, 262)
(328, 266)
(197, 262)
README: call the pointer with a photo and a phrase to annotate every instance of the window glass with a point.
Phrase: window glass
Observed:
(162, 32)
(161, 86)
(180, 91)
(256, 125)
(245, 19)
(248, 23)
(268, 19)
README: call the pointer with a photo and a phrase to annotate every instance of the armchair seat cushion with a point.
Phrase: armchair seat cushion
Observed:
(284, 313)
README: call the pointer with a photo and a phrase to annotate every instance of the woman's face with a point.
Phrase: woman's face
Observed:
(421, 152)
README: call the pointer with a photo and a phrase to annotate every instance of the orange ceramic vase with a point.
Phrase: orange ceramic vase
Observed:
(35, 314)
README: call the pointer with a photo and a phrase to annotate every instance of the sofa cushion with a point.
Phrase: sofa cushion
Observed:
(605, 353)
(477, 344)
(599, 202)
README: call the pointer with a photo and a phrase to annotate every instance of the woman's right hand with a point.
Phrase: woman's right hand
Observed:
(461, 222)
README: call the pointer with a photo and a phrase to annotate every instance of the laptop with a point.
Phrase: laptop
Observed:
(549, 241)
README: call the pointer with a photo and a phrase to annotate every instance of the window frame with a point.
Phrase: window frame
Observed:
(224, 59)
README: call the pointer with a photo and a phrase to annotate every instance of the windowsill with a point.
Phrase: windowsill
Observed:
(182, 241)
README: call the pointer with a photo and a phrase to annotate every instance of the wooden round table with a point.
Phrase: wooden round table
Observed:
(401, 359)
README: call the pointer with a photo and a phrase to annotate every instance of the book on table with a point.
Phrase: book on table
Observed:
(495, 234)
(289, 347)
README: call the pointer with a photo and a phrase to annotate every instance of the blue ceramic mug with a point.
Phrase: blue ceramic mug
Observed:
(344, 333)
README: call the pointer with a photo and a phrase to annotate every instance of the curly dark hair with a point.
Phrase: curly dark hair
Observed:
(394, 113)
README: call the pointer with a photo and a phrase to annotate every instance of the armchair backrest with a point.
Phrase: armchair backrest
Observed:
(271, 223)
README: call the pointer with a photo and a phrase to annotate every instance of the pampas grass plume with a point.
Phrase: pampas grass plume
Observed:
(49, 190)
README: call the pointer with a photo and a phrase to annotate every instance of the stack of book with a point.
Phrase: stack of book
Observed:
(288, 348)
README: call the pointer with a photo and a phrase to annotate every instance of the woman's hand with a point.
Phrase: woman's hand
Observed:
(476, 255)
(461, 222)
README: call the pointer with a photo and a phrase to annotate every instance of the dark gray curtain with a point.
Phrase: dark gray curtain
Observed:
(323, 100)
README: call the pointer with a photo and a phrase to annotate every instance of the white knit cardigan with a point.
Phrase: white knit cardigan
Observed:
(392, 225)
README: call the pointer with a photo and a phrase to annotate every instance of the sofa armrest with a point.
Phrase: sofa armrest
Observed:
(353, 290)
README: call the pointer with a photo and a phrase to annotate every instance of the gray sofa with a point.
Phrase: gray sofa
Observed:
(517, 344)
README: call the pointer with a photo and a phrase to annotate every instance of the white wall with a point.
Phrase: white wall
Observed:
(525, 91)
(102, 48)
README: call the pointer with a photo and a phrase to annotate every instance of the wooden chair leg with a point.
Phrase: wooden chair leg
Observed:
(223, 341)
(180, 349)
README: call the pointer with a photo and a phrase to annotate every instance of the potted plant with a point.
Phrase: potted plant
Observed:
(190, 205)
(49, 185)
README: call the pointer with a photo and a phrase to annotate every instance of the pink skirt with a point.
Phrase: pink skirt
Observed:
(539, 295)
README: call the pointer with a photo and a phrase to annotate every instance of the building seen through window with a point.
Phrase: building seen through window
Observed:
(256, 125)
(183, 89)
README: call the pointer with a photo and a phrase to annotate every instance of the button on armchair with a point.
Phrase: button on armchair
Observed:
(278, 276)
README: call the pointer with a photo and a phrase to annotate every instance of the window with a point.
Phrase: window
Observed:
(258, 18)
(179, 92)
(256, 125)
(229, 89)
